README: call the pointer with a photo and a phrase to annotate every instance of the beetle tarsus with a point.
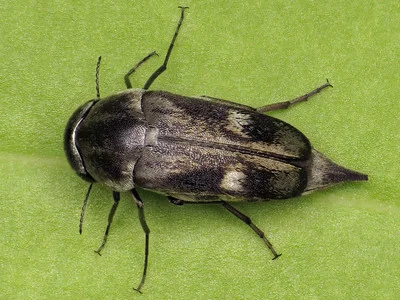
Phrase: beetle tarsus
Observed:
(248, 221)
(276, 256)
(310, 94)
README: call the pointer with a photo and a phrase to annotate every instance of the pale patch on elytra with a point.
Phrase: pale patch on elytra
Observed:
(236, 121)
(232, 180)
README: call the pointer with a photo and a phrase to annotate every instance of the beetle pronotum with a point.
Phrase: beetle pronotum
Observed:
(193, 150)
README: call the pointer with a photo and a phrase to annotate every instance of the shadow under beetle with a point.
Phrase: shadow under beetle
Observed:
(193, 150)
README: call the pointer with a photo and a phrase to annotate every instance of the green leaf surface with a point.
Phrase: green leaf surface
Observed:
(338, 243)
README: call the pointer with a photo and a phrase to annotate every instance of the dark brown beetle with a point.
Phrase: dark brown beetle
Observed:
(193, 150)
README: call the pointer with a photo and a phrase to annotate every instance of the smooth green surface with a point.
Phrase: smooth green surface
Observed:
(336, 244)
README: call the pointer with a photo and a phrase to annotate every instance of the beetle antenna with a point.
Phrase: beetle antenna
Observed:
(97, 77)
(84, 208)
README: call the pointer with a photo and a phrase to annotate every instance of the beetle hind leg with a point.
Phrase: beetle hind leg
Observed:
(248, 221)
(175, 201)
(287, 104)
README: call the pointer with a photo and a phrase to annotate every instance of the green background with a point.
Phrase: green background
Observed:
(339, 243)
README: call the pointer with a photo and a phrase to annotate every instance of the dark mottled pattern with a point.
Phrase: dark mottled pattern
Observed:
(208, 147)
(270, 183)
(221, 123)
(177, 168)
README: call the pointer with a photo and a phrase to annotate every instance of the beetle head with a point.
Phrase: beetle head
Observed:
(71, 150)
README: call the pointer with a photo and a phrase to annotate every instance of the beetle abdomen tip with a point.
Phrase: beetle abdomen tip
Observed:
(323, 172)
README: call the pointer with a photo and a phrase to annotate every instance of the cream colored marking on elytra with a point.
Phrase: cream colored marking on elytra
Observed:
(232, 180)
(236, 121)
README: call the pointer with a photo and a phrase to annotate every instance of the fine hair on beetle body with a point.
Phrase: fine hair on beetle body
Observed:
(193, 150)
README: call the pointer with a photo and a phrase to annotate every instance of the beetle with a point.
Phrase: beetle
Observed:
(193, 150)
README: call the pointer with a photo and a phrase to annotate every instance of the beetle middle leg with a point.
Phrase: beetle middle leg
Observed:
(163, 67)
(116, 197)
(130, 72)
(139, 204)
(146, 230)
(287, 104)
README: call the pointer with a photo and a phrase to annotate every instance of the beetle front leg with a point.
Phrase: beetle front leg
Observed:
(287, 104)
(116, 197)
(139, 204)
(84, 208)
(248, 221)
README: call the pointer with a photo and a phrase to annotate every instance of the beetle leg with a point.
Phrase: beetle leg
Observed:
(130, 72)
(110, 218)
(84, 208)
(175, 201)
(163, 67)
(139, 204)
(238, 214)
(287, 104)
(248, 221)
